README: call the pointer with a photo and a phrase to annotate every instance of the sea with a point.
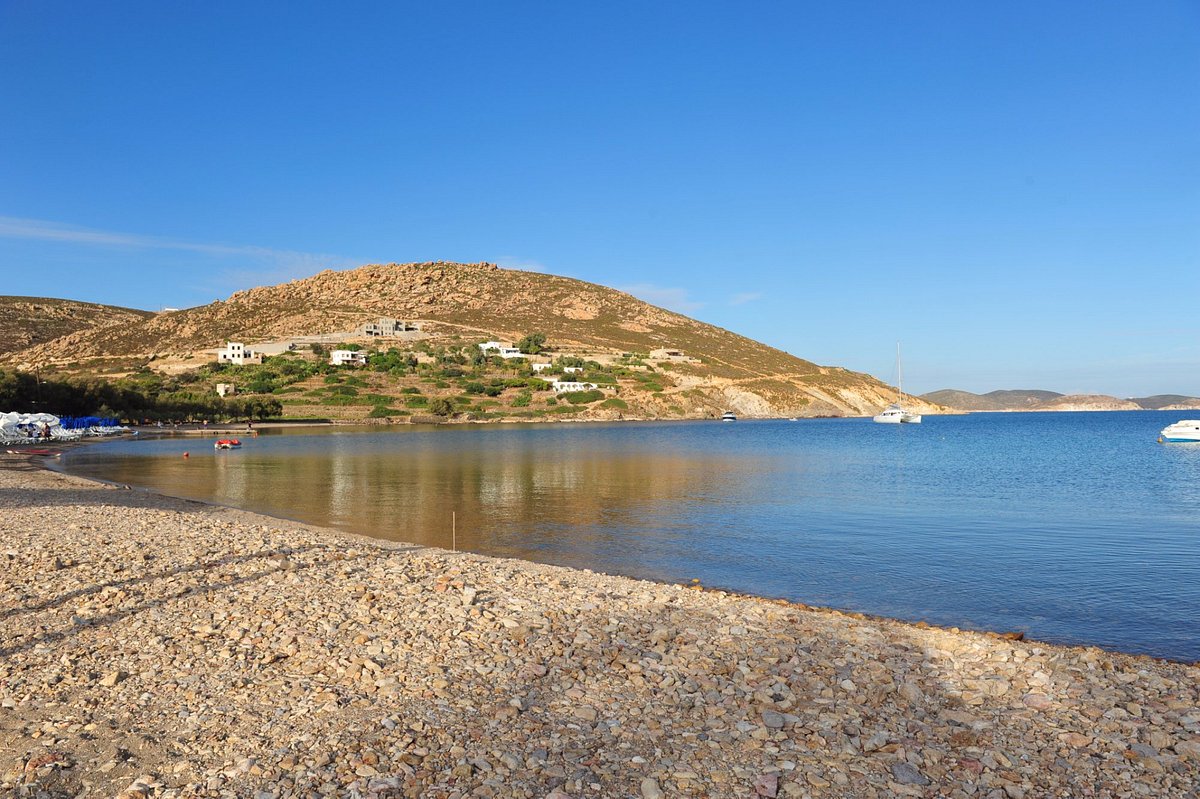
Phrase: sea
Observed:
(1076, 528)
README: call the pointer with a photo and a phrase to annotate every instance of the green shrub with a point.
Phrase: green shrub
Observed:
(615, 402)
(522, 400)
(440, 406)
(380, 411)
(582, 397)
(330, 379)
(417, 402)
(410, 390)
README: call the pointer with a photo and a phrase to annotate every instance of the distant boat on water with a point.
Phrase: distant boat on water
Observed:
(1185, 431)
(895, 413)
(728, 416)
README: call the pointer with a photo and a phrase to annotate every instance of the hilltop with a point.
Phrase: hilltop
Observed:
(458, 305)
(1040, 400)
(26, 322)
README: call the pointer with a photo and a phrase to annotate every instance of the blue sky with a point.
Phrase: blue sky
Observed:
(1011, 190)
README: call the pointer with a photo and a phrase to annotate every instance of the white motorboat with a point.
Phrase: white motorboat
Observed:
(728, 416)
(1184, 431)
(895, 413)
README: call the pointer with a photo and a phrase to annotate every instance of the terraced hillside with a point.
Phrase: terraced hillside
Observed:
(477, 301)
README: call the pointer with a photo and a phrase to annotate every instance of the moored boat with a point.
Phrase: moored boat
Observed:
(895, 413)
(728, 416)
(227, 443)
(1185, 431)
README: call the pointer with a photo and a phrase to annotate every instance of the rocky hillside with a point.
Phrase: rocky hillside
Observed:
(26, 322)
(1088, 402)
(476, 301)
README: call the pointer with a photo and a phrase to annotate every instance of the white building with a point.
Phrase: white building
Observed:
(570, 370)
(226, 389)
(499, 348)
(541, 367)
(565, 386)
(347, 358)
(237, 353)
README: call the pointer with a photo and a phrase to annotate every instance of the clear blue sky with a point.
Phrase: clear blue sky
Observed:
(1011, 189)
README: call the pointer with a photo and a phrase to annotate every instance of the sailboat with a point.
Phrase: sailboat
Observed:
(895, 413)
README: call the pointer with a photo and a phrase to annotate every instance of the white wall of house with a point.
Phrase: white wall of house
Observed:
(347, 358)
(237, 353)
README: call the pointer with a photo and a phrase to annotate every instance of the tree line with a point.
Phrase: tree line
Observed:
(24, 392)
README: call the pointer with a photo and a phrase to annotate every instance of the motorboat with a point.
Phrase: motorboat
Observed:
(729, 416)
(895, 413)
(227, 443)
(1184, 431)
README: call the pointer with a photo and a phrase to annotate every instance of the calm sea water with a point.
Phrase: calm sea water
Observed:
(1073, 527)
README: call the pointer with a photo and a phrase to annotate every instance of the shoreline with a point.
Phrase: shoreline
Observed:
(327, 659)
(53, 465)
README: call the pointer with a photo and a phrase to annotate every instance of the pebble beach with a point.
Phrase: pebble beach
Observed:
(155, 647)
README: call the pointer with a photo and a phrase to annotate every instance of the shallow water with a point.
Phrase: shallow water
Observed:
(1073, 527)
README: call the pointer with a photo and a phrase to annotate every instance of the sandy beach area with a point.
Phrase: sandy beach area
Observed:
(154, 647)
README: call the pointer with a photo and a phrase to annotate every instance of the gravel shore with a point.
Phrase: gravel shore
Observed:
(152, 647)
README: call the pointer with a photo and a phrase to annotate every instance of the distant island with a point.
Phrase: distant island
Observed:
(1042, 400)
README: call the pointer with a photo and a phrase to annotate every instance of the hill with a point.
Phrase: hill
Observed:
(457, 304)
(1167, 402)
(1002, 400)
(26, 322)
(1039, 400)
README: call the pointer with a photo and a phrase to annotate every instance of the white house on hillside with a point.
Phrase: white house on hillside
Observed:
(347, 358)
(501, 349)
(541, 367)
(237, 353)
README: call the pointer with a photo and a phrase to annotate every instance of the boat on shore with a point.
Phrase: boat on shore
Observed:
(227, 443)
(1185, 431)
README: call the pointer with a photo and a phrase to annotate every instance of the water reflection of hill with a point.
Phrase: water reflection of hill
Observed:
(510, 499)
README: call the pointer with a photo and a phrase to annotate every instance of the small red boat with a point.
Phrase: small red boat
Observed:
(227, 443)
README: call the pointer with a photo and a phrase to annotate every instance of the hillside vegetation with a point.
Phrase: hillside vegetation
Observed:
(459, 305)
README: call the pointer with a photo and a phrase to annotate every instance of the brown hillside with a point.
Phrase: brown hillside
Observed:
(477, 301)
(29, 321)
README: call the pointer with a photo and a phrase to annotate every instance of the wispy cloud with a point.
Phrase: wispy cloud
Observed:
(283, 264)
(673, 298)
(745, 297)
